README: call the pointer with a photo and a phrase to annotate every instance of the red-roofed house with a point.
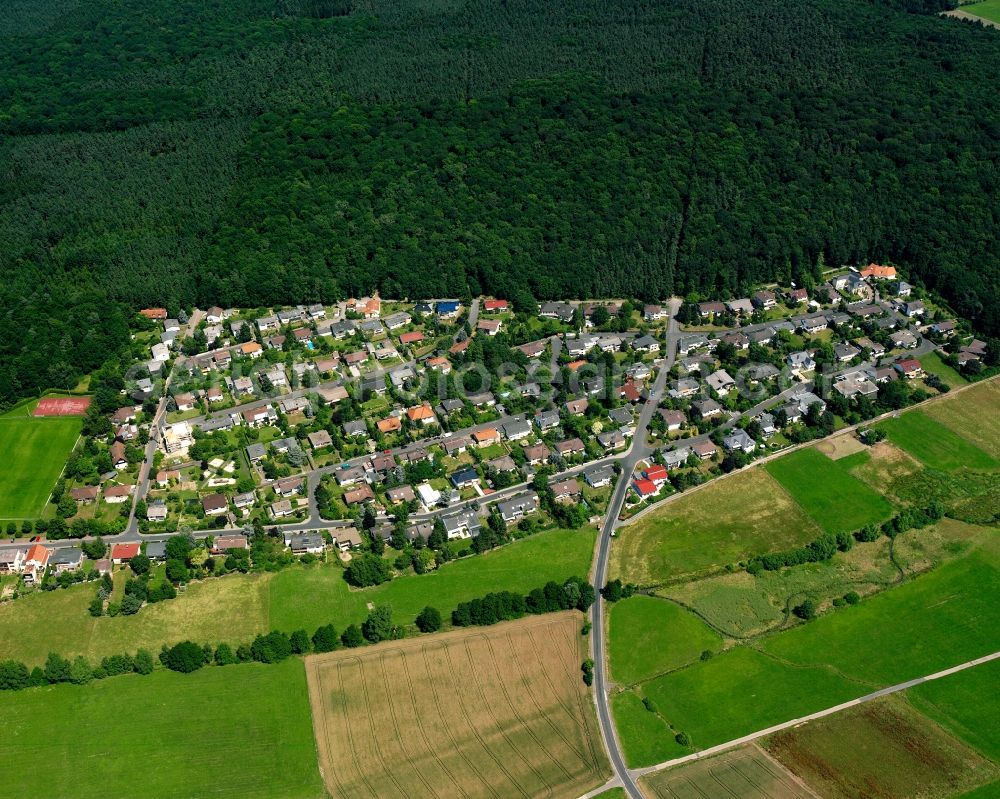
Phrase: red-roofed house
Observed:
(879, 272)
(494, 305)
(35, 562)
(645, 488)
(910, 368)
(156, 314)
(411, 338)
(123, 552)
(460, 346)
(657, 474)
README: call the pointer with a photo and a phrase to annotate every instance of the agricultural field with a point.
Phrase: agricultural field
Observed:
(649, 636)
(500, 711)
(34, 453)
(827, 492)
(744, 773)
(967, 704)
(933, 444)
(974, 415)
(744, 514)
(237, 607)
(239, 731)
(936, 620)
(885, 466)
(882, 748)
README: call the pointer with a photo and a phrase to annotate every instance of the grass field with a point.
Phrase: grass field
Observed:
(34, 453)
(237, 607)
(614, 793)
(742, 515)
(933, 444)
(884, 749)
(974, 415)
(238, 731)
(987, 9)
(744, 773)
(649, 636)
(521, 566)
(827, 491)
(495, 712)
(886, 464)
(967, 704)
(942, 618)
(933, 364)
(644, 736)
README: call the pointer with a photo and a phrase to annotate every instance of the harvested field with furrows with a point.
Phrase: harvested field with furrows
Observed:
(492, 712)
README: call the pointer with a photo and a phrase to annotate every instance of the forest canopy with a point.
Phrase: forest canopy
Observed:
(248, 152)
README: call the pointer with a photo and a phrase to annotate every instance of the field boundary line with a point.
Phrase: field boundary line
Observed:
(892, 689)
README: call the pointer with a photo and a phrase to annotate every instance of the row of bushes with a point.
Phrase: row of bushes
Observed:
(506, 605)
(15, 675)
(828, 544)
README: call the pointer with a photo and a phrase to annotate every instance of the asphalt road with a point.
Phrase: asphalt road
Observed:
(639, 450)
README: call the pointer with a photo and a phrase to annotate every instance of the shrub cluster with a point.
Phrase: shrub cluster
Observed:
(15, 675)
(505, 605)
(828, 544)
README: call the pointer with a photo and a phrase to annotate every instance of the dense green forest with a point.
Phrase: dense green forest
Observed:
(257, 151)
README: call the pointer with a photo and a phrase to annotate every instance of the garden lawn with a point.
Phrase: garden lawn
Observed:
(828, 492)
(307, 598)
(967, 704)
(34, 453)
(645, 737)
(650, 635)
(933, 364)
(744, 514)
(239, 731)
(933, 444)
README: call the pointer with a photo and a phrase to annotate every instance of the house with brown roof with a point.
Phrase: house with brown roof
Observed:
(566, 490)
(116, 495)
(356, 496)
(227, 543)
(85, 494)
(423, 414)
(485, 437)
(538, 453)
(215, 504)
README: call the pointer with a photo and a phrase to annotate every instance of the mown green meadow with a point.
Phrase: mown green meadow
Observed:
(237, 607)
(827, 491)
(240, 731)
(934, 444)
(650, 635)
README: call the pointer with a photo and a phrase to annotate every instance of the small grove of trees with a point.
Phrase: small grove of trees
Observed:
(615, 590)
(15, 675)
(505, 605)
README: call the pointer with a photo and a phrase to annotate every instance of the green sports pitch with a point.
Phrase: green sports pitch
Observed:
(33, 452)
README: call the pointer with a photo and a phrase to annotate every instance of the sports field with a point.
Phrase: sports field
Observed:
(34, 453)
(744, 514)
(649, 636)
(933, 444)
(884, 749)
(744, 773)
(827, 492)
(974, 415)
(494, 712)
(237, 607)
(239, 731)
